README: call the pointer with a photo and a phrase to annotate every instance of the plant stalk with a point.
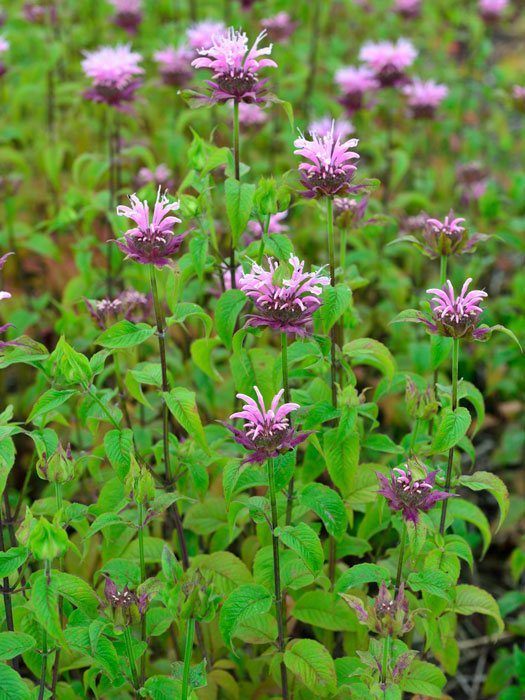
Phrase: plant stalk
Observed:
(448, 478)
(129, 652)
(286, 387)
(237, 162)
(142, 561)
(279, 603)
(188, 648)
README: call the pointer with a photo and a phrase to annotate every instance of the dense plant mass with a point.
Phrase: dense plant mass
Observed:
(261, 381)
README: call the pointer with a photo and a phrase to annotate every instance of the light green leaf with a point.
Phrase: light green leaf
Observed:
(328, 505)
(182, 404)
(487, 481)
(313, 665)
(14, 643)
(12, 559)
(452, 427)
(305, 542)
(125, 334)
(229, 306)
(432, 581)
(50, 401)
(119, 448)
(342, 457)
(335, 301)
(44, 601)
(245, 602)
(361, 573)
(471, 599)
(326, 611)
(12, 687)
(239, 201)
(465, 510)
(367, 351)
(201, 353)
(424, 679)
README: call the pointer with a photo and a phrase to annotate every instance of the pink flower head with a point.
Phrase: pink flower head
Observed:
(130, 304)
(449, 237)
(200, 35)
(456, 316)
(388, 60)
(235, 67)
(151, 242)
(251, 114)
(410, 496)
(223, 281)
(174, 65)
(473, 177)
(161, 177)
(323, 127)
(124, 599)
(4, 44)
(128, 15)
(492, 10)
(350, 210)
(384, 615)
(326, 170)
(424, 97)
(113, 71)
(280, 27)
(256, 229)
(353, 84)
(265, 433)
(409, 9)
(518, 96)
(284, 304)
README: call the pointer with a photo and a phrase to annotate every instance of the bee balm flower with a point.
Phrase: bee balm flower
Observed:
(408, 495)
(200, 35)
(353, 84)
(266, 433)
(322, 127)
(4, 47)
(456, 316)
(424, 97)
(492, 10)
(151, 242)
(174, 65)
(114, 74)
(235, 67)
(388, 60)
(409, 9)
(256, 230)
(449, 237)
(287, 304)
(327, 170)
(128, 15)
(280, 27)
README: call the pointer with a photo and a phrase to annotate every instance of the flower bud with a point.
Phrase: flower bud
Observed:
(59, 467)
(421, 405)
(47, 541)
(266, 196)
(25, 527)
(139, 483)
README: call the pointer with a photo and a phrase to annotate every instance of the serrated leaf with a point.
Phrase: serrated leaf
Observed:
(11, 560)
(239, 202)
(452, 427)
(119, 448)
(14, 643)
(432, 581)
(50, 401)
(367, 351)
(335, 301)
(245, 602)
(125, 334)
(313, 665)
(342, 457)
(325, 610)
(303, 540)
(488, 481)
(328, 505)
(183, 405)
(471, 599)
(12, 687)
(77, 591)
(361, 573)
(228, 308)
(44, 601)
(465, 510)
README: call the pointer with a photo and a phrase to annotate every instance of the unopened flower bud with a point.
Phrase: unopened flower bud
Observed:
(421, 405)
(47, 541)
(57, 468)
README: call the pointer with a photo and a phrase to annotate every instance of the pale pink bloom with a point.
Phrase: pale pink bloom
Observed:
(174, 65)
(492, 10)
(4, 44)
(235, 66)
(322, 127)
(113, 71)
(456, 316)
(424, 97)
(128, 14)
(408, 8)
(5, 295)
(353, 84)
(450, 226)
(280, 27)
(274, 226)
(251, 114)
(223, 281)
(160, 177)
(201, 34)
(388, 60)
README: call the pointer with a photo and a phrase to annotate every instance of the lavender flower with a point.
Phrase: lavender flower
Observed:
(328, 171)
(200, 35)
(350, 211)
(280, 27)
(449, 237)
(491, 11)
(284, 304)
(389, 60)
(4, 47)
(385, 615)
(124, 599)
(424, 97)
(160, 177)
(408, 495)
(518, 97)
(456, 316)
(128, 15)
(113, 72)
(409, 9)
(174, 65)
(256, 229)
(235, 67)
(151, 242)
(223, 281)
(323, 127)
(266, 433)
(251, 115)
(473, 178)
(353, 84)
(130, 304)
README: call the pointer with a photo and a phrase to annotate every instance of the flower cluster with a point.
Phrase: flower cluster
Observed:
(256, 229)
(384, 615)
(151, 241)
(323, 127)
(491, 11)
(39, 13)
(449, 237)
(456, 316)
(130, 304)
(280, 27)
(251, 114)
(200, 35)
(283, 303)
(161, 177)
(421, 405)
(408, 495)
(473, 179)
(350, 211)
(265, 433)
(114, 74)
(354, 83)
(128, 15)
(235, 67)
(125, 598)
(424, 97)
(327, 170)
(389, 60)
(409, 9)
(174, 65)
(223, 281)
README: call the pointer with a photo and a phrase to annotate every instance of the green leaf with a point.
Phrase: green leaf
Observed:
(326, 611)
(186, 310)
(12, 559)
(424, 679)
(432, 581)
(44, 601)
(50, 401)
(125, 334)
(305, 542)
(471, 599)
(487, 481)
(367, 351)
(163, 688)
(77, 591)
(408, 316)
(7, 460)
(182, 404)
(228, 570)
(382, 443)
(336, 300)
(12, 687)
(245, 602)
(228, 308)
(239, 201)
(328, 505)
(70, 365)
(473, 395)
(452, 427)
(503, 329)
(465, 510)
(313, 665)
(361, 573)
(201, 353)
(279, 246)
(119, 448)
(342, 457)
(14, 643)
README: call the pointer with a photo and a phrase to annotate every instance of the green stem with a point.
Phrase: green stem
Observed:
(142, 561)
(260, 255)
(58, 495)
(111, 202)
(413, 437)
(443, 270)
(188, 648)
(448, 479)
(161, 335)
(386, 656)
(401, 558)
(129, 652)
(45, 652)
(286, 387)
(237, 165)
(279, 606)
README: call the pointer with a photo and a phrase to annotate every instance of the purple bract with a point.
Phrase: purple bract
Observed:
(409, 495)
